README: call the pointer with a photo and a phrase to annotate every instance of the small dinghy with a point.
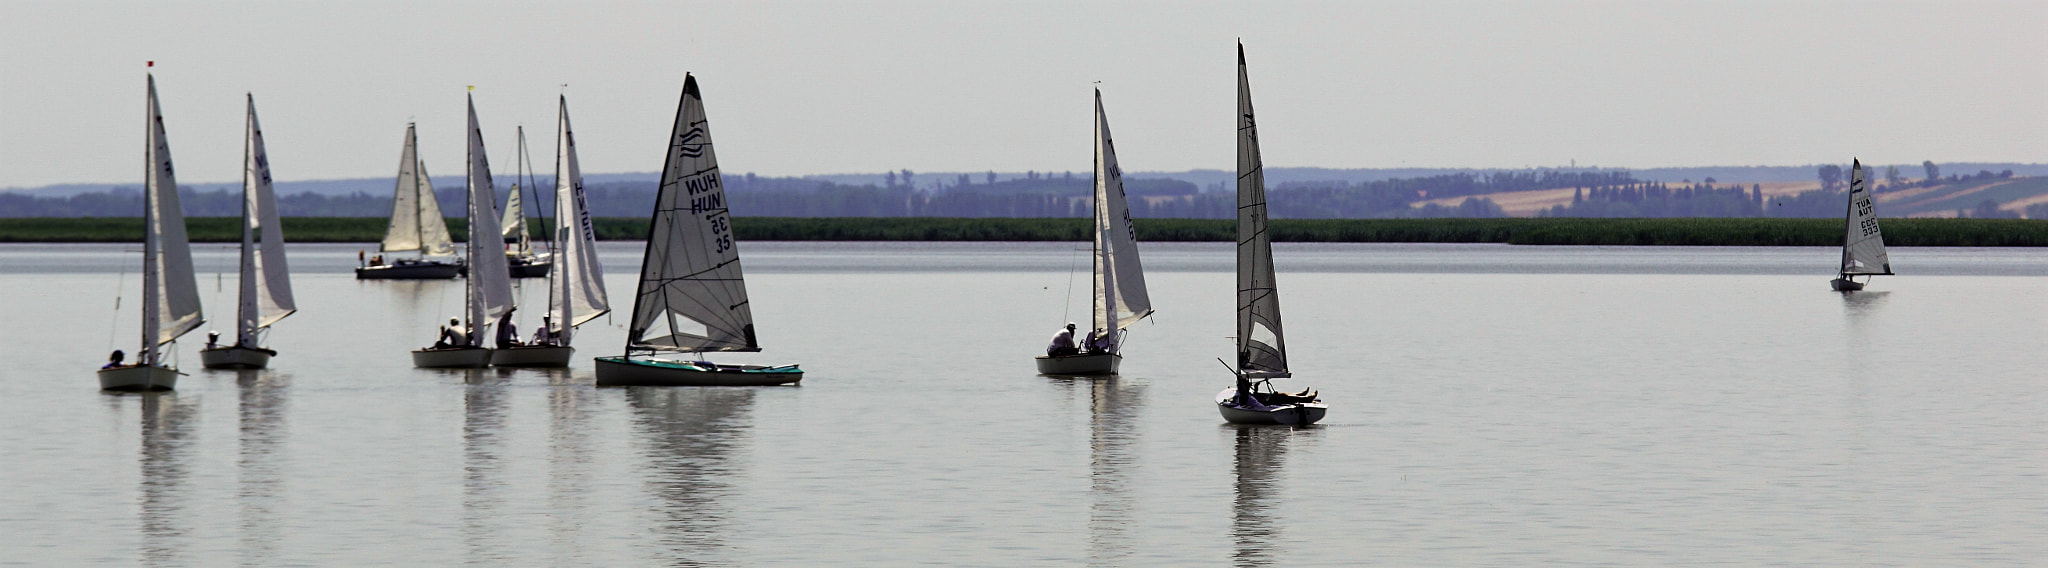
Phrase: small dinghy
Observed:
(1119, 283)
(266, 288)
(1862, 245)
(1261, 348)
(170, 291)
(576, 284)
(519, 254)
(692, 295)
(488, 293)
(416, 225)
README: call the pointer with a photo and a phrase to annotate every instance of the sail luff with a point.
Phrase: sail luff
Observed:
(245, 305)
(1862, 243)
(155, 165)
(272, 276)
(576, 282)
(1261, 349)
(692, 269)
(514, 220)
(489, 278)
(404, 232)
(1103, 273)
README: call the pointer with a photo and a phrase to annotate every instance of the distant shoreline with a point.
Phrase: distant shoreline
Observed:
(1522, 231)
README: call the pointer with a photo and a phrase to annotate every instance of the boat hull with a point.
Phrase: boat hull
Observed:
(623, 372)
(1302, 414)
(532, 356)
(139, 378)
(1846, 285)
(410, 271)
(524, 268)
(452, 358)
(236, 357)
(1088, 364)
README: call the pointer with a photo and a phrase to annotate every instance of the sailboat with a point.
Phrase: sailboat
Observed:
(416, 225)
(488, 293)
(692, 295)
(1119, 284)
(266, 287)
(524, 263)
(1862, 245)
(170, 291)
(1261, 349)
(576, 285)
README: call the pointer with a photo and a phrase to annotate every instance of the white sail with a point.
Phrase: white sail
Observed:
(266, 288)
(514, 220)
(1120, 296)
(404, 231)
(1261, 351)
(433, 231)
(490, 283)
(692, 269)
(576, 282)
(1862, 246)
(170, 306)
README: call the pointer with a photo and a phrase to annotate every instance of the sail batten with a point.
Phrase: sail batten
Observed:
(1862, 243)
(692, 270)
(170, 288)
(1261, 347)
(576, 281)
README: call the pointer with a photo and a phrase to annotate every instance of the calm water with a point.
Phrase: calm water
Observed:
(1491, 406)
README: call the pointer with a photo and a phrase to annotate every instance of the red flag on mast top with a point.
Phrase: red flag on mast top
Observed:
(152, 63)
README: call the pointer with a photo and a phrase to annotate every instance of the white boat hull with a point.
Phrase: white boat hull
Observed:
(235, 357)
(1089, 364)
(1846, 285)
(452, 358)
(623, 372)
(532, 356)
(139, 378)
(1301, 414)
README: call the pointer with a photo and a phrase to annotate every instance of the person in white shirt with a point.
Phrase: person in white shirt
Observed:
(1063, 342)
(452, 335)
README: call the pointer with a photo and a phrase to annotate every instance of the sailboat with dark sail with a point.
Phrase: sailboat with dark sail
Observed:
(266, 286)
(1261, 347)
(170, 291)
(692, 295)
(1119, 295)
(1862, 245)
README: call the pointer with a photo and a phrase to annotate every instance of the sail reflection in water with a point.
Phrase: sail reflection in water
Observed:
(687, 438)
(260, 466)
(1255, 521)
(571, 453)
(483, 422)
(1113, 406)
(167, 434)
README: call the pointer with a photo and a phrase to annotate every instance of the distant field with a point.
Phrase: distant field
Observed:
(1563, 231)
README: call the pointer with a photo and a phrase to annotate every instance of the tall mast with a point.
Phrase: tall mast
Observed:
(245, 308)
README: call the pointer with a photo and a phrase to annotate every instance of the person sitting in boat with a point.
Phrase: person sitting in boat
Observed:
(1063, 342)
(452, 335)
(546, 334)
(115, 359)
(1099, 341)
(508, 334)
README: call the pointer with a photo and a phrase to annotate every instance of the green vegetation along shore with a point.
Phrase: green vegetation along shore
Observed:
(1523, 231)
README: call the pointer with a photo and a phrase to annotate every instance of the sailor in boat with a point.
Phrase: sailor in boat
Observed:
(1063, 342)
(452, 335)
(508, 333)
(545, 335)
(114, 360)
(212, 339)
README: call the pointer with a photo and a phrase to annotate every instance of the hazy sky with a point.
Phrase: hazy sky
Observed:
(831, 87)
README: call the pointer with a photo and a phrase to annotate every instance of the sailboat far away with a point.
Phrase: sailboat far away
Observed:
(692, 296)
(488, 294)
(170, 291)
(1862, 245)
(416, 225)
(266, 288)
(1261, 347)
(519, 254)
(576, 283)
(1119, 295)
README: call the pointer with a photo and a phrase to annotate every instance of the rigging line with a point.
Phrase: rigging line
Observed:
(120, 282)
(1067, 312)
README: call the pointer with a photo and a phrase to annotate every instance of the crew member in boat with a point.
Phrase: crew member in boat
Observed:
(1063, 342)
(508, 334)
(212, 339)
(114, 360)
(1098, 341)
(452, 335)
(546, 334)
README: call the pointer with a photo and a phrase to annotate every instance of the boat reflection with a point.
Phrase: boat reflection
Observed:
(687, 437)
(483, 422)
(1255, 525)
(571, 403)
(262, 396)
(1863, 303)
(1113, 406)
(168, 432)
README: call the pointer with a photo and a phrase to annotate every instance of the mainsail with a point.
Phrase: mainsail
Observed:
(170, 291)
(266, 287)
(1120, 297)
(490, 282)
(1862, 246)
(1261, 351)
(576, 282)
(691, 273)
(416, 222)
(514, 220)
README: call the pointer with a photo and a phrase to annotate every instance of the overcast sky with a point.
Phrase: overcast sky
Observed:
(796, 88)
